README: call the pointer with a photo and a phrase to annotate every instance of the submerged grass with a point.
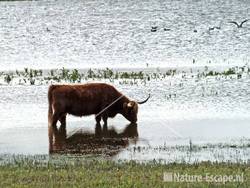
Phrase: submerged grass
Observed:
(106, 173)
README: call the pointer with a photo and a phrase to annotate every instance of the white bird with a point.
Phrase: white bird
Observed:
(239, 25)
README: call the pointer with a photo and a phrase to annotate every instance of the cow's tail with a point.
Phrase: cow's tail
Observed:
(50, 110)
(50, 115)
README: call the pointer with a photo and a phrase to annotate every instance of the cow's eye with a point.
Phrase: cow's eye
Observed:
(130, 110)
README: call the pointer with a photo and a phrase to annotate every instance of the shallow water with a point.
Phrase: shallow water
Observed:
(209, 111)
(187, 118)
(55, 34)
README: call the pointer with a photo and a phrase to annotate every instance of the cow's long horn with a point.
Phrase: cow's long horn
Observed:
(141, 102)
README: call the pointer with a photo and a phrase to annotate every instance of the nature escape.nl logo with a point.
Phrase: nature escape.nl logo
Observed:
(177, 177)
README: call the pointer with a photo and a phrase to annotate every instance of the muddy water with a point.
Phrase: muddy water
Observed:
(186, 119)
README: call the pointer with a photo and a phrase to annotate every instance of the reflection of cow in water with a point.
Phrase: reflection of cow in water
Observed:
(100, 99)
(102, 141)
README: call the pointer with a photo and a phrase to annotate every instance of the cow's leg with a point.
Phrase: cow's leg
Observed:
(52, 131)
(105, 125)
(98, 119)
(105, 119)
(60, 138)
(62, 129)
(58, 133)
(55, 118)
(63, 121)
(98, 130)
(52, 136)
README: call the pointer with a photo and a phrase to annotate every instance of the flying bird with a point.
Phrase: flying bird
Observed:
(239, 25)
(166, 29)
(154, 28)
(213, 28)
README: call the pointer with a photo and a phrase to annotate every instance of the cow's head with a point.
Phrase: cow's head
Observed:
(130, 110)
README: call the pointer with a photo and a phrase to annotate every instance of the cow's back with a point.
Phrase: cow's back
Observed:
(82, 99)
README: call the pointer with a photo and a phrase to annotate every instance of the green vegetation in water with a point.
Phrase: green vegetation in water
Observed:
(234, 71)
(8, 78)
(32, 76)
(105, 173)
(192, 148)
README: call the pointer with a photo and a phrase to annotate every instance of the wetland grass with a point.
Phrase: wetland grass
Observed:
(33, 76)
(105, 173)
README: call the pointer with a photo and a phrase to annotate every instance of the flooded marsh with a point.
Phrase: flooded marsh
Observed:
(189, 55)
(208, 110)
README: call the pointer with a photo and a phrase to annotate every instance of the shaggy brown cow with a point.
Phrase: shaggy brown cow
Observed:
(100, 99)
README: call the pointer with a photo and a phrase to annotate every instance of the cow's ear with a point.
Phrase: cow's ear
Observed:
(130, 105)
